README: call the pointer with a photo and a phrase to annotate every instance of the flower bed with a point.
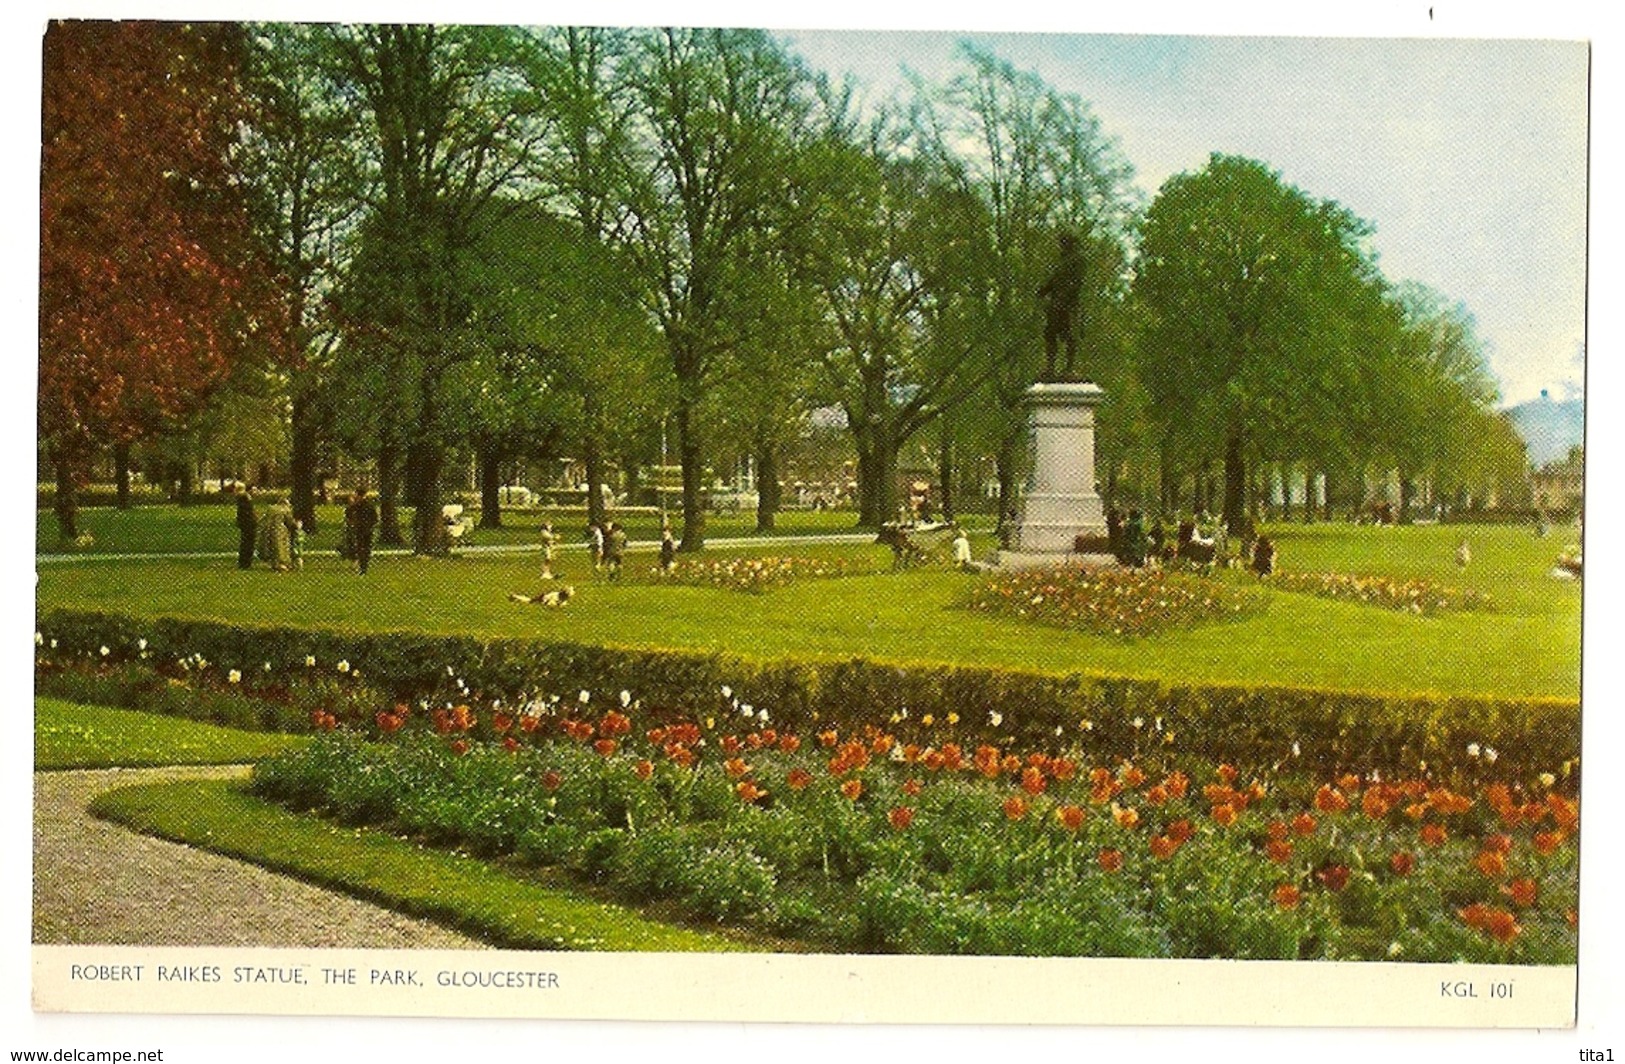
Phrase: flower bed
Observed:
(756, 575)
(1422, 597)
(1125, 603)
(860, 840)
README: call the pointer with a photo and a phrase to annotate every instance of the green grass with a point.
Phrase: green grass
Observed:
(212, 528)
(450, 889)
(71, 735)
(1527, 645)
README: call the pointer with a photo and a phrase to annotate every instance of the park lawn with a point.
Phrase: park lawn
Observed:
(212, 528)
(460, 892)
(1528, 645)
(73, 735)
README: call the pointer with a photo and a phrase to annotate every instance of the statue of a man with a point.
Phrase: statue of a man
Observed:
(1059, 295)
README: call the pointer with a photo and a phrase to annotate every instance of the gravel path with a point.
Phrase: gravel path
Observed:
(98, 883)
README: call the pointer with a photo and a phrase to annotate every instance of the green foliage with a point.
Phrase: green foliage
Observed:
(963, 873)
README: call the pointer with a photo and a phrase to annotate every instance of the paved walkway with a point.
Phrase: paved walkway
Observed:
(472, 549)
(98, 883)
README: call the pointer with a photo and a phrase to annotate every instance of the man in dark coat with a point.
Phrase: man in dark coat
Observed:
(247, 525)
(366, 519)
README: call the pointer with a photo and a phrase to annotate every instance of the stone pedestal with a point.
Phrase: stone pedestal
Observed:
(1060, 502)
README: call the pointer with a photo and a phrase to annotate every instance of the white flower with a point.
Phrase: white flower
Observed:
(234, 676)
(746, 709)
(1547, 779)
(1297, 751)
(141, 644)
(1157, 723)
(344, 665)
(727, 692)
(626, 699)
(1086, 725)
(896, 753)
(265, 666)
(450, 671)
(1490, 755)
(1472, 749)
(995, 718)
(1139, 722)
(53, 644)
(584, 697)
(39, 639)
(1395, 949)
(105, 652)
(310, 661)
(1058, 729)
(761, 715)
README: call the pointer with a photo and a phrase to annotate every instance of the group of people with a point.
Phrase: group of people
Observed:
(278, 539)
(607, 542)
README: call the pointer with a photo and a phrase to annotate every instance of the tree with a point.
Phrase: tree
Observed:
(1247, 285)
(569, 347)
(715, 110)
(307, 181)
(454, 124)
(148, 285)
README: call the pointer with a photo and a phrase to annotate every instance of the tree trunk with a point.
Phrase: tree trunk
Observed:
(690, 458)
(186, 483)
(423, 464)
(1235, 484)
(767, 486)
(877, 478)
(1326, 511)
(592, 456)
(1006, 467)
(121, 473)
(389, 495)
(302, 462)
(1407, 497)
(1308, 495)
(66, 504)
(490, 462)
(945, 471)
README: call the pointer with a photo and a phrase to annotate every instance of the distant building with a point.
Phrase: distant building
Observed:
(1560, 486)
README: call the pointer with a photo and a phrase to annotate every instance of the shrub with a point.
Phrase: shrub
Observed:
(1322, 730)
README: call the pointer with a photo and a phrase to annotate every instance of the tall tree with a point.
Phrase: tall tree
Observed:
(716, 108)
(1247, 284)
(148, 287)
(307, 180)
(454, 124)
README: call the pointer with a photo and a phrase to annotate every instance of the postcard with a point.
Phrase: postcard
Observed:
(697, 521)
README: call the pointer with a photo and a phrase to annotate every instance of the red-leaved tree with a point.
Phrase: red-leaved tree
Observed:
(147, 292)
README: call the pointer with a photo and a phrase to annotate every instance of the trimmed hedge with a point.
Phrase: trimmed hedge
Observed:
(1100, 715)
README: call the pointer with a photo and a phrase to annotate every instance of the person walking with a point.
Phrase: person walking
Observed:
(548, 539)
(247, 525)
(277, 539)
(668, 550)
(615, 550)
(596, 543)
(366, 519)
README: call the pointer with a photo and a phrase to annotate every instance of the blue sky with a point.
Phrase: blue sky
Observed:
(1469, 156)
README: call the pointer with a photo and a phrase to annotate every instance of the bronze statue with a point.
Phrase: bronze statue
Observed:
(1059, 294)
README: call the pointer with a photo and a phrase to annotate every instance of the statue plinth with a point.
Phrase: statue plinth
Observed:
(1060, 502)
